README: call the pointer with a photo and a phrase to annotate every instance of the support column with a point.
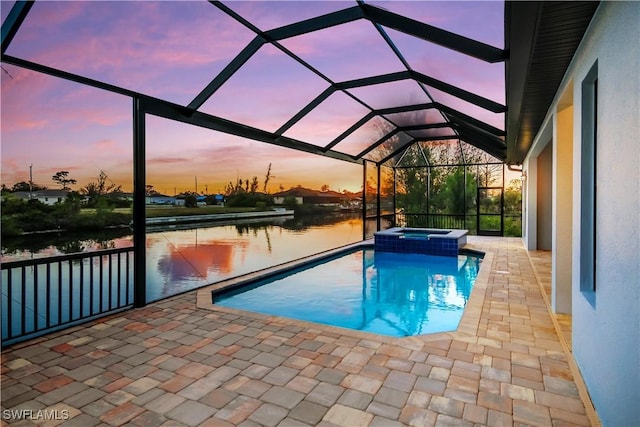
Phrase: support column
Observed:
(139, 193)
(395, 207)
(561, 270)
(364, 200)
(378, 200)
(530, 203)
(538, 167)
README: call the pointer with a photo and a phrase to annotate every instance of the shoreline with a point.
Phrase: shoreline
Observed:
(168, 220)
(171, 220)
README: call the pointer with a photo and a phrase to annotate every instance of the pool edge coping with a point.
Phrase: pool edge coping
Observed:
(467, 328)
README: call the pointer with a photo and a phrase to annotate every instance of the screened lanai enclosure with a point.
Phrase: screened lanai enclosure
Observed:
(446, 184)
(408, 97)
(386, 80)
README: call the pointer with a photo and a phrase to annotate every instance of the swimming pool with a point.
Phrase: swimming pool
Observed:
(395, 294)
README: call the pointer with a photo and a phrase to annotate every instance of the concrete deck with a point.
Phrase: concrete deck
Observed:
(183, 362)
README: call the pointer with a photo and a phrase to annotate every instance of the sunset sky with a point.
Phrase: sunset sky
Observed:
(171, 50)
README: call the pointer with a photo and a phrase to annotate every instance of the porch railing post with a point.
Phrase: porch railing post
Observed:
(395, 207)
(378, 200)
(139, 193)
(364, 200)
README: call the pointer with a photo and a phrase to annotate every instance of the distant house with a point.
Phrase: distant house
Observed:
(279, 198)
(316, 197)
(201, 200)
(121, 195)
(218, 199)
(48, 197)
(180, 200)
(160, 199)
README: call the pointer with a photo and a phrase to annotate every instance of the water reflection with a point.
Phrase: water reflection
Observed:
(396, 294)
(180, 260)
(31, 246)
(195, 261)
(184, 257)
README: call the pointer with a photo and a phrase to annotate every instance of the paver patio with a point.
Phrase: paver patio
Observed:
(180, 362)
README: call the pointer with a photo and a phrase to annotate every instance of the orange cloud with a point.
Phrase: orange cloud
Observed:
(167, 160)
(105, 144)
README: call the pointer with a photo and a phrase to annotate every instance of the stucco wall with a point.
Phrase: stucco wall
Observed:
(606, 335)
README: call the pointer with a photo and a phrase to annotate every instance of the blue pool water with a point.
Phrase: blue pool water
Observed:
(396, 294)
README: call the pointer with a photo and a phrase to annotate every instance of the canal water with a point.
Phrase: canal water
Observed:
(179, 260)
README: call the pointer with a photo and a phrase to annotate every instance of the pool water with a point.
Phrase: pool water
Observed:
(415, 235)
(395, 294)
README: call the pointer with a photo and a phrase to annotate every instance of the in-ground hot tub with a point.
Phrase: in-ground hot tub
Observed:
(420, 240)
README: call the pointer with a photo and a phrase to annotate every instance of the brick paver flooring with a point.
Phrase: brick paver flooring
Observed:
(179, 362)
(541, 261)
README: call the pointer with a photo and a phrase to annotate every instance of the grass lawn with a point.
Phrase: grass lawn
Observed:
(160, 211)
(92, 211)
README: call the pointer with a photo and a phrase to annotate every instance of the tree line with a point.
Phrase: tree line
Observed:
(102, 191)
(442, 178)
(20, 215)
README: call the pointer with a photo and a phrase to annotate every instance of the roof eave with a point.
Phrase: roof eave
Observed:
(535, 68)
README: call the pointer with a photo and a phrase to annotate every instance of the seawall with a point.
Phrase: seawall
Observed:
(216, 217)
